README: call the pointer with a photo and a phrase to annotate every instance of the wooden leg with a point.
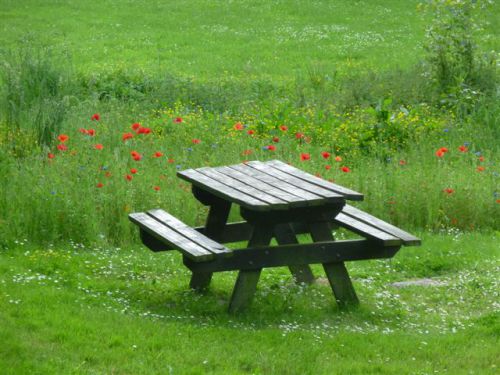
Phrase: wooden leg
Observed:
(336, 272)
(200, 280)
(285, 235)
(246, 283)
(244, 289)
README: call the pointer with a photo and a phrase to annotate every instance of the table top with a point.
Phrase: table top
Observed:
(266, 186)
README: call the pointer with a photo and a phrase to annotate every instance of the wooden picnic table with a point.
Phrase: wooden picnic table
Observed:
(276, 200)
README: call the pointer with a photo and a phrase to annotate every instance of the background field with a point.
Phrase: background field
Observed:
(358, 79)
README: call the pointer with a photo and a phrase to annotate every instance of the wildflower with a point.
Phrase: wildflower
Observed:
(91, 132)
(82, 130)
(95, 117)
(439, 153)
(142, 130)
(443, 150)
(271, 148)
(325, 154)
(170, 160)
(126, 136)
(299, 135)
(128, 177)
(107, 174)
(100, 185)
(63, 138)
(136, 156)
(133, 171)
(51, 156)
(246, 152)
(283, 128)
(481, 158)
(448, 191)
(276, 139)
(135, 126)
(196, 141)
(62, 147)
(238, 126)
(498, 201)
(345, 169)
(463, 148)
(328, 167)
(338, 158)
(98, 146)
(251, 132)
(402, 162)
(178, 120)
(158, 154)
(305, 156)
(157, 188)
(480, 168)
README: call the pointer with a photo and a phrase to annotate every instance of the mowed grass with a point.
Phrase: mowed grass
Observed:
(245, 39)
(77, 309)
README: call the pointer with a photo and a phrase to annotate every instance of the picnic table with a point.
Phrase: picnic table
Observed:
(278, 201)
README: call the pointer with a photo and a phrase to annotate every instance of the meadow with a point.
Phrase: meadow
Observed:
(101, 103)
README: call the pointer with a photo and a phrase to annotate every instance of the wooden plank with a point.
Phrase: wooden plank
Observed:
(183, 229)
(221, 190)
(347, 193)
(302, 273)
(312, 199)
(292, 180)
(162, 232)
(232, 232)
(244, 188)
(292, 200)
(296, 254)
(408, 239)
(366, 230)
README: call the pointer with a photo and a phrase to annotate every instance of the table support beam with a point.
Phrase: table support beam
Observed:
(336, 272)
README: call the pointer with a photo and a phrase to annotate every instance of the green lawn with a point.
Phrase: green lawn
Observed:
(78, 309)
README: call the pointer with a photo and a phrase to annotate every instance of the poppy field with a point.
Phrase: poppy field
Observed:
(102, 103)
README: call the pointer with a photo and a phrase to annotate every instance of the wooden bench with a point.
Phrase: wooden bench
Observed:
(161, 231)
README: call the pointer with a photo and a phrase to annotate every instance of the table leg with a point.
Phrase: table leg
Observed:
(246, 283)
(336, 272)
(285, 235)
(216, 221)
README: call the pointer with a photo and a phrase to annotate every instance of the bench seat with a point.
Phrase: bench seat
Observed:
(159, 229)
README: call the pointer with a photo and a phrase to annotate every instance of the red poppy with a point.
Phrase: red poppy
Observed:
(51, 156)
(107, 174)
(238, 126)
(463, 148)
(338, 158)
(95, 117)
(345, 169)
(82, 130)
(439, 153)
(126, 136)
(100, 185)
(158, 154)
(299, 135)
(128, 177)
(170, 160)
(178, 120)
(325, 154)
(133, 171)
(402, 162)
(480, 168)
(62, 147)
(156, 188)
(443, 149)
(276, 139)
(283, 128)
(481, 158)
(196, 141)
(246, 152)
(143, 130)
(271, 148)
(135, 126)
(136, 156)
(63, 138)
(304, 156)
(328, 167)
(498, 201)
(448, 191)
(91, 132)
(98, 146)
(251, 132)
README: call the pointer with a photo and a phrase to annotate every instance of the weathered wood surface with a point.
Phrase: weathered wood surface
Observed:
(366, 230)
(407, 238)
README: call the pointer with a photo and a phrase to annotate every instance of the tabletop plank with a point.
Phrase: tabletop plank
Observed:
(347, 193)
(177, 225)
(221, 190)
(315, 189)
(312, 199)
(244, 188)
(292, 200)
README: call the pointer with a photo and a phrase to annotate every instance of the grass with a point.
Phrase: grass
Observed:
(77, 309)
